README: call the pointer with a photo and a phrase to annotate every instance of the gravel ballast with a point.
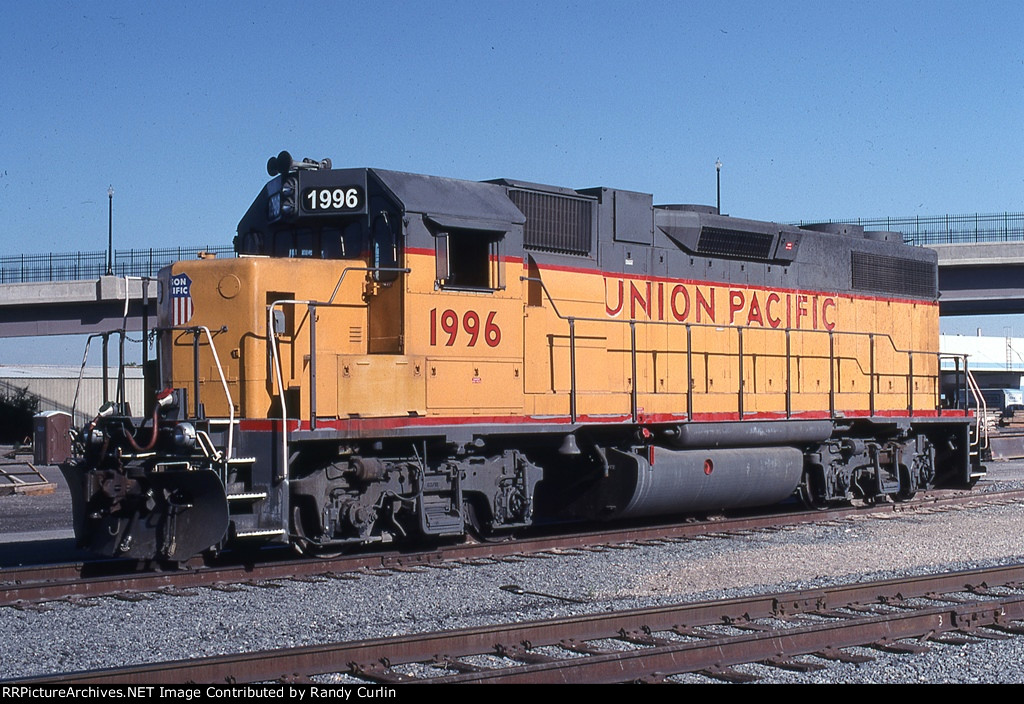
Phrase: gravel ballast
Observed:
(113, 632)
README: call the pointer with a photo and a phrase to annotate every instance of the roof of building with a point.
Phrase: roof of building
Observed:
(49, 371)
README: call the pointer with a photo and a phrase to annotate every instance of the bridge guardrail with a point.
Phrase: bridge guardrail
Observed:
(74, 266)
(71, 266)
(945, 229)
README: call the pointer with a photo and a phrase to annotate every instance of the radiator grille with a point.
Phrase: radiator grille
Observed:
(555, 223)
(896, 275)
(723, 242)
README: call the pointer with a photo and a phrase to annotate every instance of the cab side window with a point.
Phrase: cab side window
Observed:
(469, 260)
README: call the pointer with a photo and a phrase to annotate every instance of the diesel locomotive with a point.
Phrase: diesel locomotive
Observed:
(392, 356)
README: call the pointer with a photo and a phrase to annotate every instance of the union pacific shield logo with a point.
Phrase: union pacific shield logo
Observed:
(181, 300)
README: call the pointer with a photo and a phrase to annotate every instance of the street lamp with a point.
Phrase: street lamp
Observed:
(110, 231)
(718, 174)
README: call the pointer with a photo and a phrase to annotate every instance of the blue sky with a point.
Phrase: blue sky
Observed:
(816, 109)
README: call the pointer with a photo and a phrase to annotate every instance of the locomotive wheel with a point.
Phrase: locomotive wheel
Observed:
(302, 545)
(473, 527)
(811, 496)
(905, 493)
(476, 530)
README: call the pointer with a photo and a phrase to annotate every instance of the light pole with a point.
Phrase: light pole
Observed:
(110, 231)
(718, 176)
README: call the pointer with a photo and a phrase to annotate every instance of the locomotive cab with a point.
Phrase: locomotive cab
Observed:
(323, 322)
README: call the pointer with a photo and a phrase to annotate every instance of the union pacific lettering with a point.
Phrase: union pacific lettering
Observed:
(718, 305)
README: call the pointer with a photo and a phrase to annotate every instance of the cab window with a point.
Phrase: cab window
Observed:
(469, 260)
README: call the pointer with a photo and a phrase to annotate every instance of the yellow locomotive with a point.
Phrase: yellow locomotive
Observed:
(393, 355)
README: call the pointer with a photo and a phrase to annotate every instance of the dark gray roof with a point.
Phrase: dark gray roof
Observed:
(435, 195)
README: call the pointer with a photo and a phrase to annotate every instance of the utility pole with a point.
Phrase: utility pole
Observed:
(110, 231)
(718, 173)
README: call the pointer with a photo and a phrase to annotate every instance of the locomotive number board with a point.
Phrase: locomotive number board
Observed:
(327, 199)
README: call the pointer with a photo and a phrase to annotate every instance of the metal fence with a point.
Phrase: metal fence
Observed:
(946, 229)
(71, 266)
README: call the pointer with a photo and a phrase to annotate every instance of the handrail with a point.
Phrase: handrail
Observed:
(873, 375)
(227, 391)
(195, 331)
(81, 371)
(368, 269)
(849, 333)
(276, 360)
(982, 416)
(965, 387)
(119, 392)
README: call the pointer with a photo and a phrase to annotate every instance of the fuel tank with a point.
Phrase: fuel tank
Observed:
(682, 481)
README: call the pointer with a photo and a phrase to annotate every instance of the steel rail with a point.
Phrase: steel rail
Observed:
(34, 584)
(371, 659)
(665, 659)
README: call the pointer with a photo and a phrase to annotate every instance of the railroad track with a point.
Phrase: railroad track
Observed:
(792, 630)
(29, 587)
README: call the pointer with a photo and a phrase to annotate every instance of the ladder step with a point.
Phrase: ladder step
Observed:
(241, 460)
(259, 533)
(252, 496)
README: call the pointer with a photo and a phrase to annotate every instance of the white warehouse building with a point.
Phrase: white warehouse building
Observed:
(57, 386)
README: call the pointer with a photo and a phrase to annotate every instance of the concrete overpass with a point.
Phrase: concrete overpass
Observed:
(974, 279)
(981, 278)
(75, 307)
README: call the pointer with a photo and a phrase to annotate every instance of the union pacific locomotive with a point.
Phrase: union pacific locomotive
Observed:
(395, 356)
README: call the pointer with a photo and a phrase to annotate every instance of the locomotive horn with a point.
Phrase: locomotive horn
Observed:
(280, 164)
(283, 163)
